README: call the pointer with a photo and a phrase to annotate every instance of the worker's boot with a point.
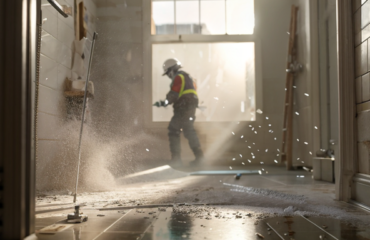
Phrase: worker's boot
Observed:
(199, 157)
(175, 161)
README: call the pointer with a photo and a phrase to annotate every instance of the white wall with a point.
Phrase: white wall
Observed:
(55, 66)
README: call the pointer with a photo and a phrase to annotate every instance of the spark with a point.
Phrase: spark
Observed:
(306, 94)
(297, 113)
(276, 161)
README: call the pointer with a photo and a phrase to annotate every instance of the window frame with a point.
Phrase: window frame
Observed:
(149, 40)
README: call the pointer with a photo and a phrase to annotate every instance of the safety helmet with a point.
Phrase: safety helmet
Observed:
(170, 64)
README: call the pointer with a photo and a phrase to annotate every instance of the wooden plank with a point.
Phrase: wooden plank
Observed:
(287, 139)
(77, 94)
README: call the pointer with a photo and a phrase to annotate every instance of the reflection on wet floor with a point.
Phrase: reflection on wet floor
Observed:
(202, 222)
(268, 206)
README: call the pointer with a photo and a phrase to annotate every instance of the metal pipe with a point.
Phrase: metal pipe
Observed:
(58, 7)
(83, 114)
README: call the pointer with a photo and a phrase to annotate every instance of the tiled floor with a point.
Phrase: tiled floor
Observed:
(291, 205)
(143, 224)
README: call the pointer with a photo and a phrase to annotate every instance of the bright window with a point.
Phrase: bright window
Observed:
(215, 42)
(215, 17)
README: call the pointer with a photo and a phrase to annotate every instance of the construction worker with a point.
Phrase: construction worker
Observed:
(184, 97)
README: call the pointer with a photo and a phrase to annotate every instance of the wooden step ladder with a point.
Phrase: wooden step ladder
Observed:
(287, 140)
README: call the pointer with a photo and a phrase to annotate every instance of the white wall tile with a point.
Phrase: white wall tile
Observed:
(363, 158)
(365, 87)
(365, 16)
(46, 5)
(49, 21)
(63, 73)
(66, 35)
(47, 126)
(49, 45)
(363, 126)
(361, 59)
(69, 20)
(65, 56)
(51, 101)
(365, 33)
(48, 72)
(358, 90)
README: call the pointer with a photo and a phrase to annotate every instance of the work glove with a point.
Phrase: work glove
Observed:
(161, 103)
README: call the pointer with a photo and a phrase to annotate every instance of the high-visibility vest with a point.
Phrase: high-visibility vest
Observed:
(190, 88)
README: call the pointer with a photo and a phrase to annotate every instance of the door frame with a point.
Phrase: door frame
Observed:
(18, 25)
(346, 162)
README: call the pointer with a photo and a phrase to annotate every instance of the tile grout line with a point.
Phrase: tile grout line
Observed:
(143, 234)
(275, 231)
(319, 227)
(111, 225)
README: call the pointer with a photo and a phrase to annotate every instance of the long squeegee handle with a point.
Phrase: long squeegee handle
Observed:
(83, 114)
